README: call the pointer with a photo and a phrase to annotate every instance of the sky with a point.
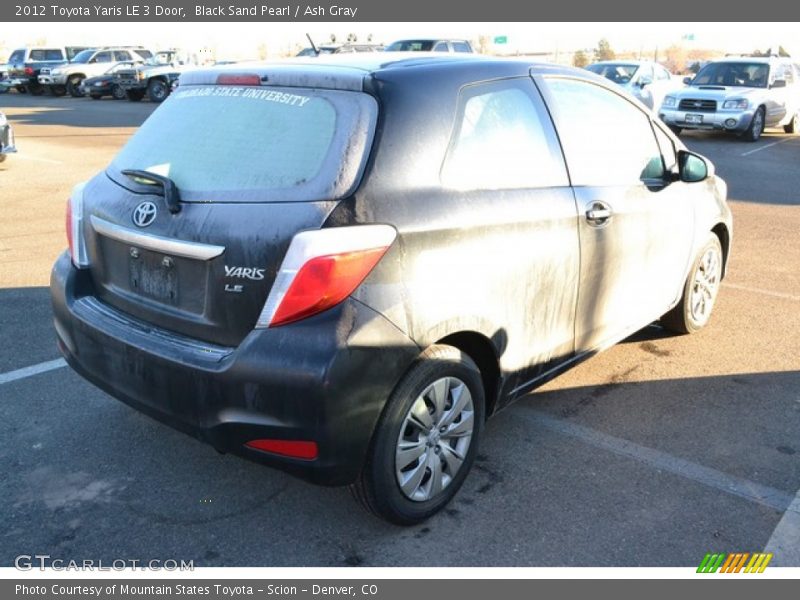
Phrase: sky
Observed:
(246, 40)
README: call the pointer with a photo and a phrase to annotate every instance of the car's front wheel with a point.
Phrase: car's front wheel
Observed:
(699, 292)
(157, 90)
(426, 440)
(117, 92)
(134, 95)
(753, 133)
(74, 86)
(793, 126)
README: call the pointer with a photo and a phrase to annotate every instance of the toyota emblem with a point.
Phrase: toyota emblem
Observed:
(144, 214)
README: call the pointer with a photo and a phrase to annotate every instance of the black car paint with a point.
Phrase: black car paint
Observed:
(327, 378)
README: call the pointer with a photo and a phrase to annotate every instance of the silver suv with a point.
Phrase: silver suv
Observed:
(89, 63)
(740, 95)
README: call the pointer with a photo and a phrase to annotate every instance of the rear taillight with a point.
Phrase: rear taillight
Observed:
(322, 268)
(29, 71)
(74, 221)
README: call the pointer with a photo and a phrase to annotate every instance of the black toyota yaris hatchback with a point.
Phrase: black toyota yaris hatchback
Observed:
(341, 268)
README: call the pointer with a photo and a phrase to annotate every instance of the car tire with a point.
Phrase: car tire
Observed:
(157, 90)
(58, 90)
(424, 425)
(134, 95)
(756, 128)
(675, 129)
(700, 291)
(74, 86)
(117, 92)
(21, 89)
(2, 158)
(95, 97)
(35, 90)
(793, 126)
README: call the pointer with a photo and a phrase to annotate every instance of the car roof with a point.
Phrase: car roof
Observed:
(349, 71)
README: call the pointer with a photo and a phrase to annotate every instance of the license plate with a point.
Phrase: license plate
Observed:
(694, 118)
(155, 276)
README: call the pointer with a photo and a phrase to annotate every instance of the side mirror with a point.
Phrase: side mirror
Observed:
(645, 80)
(688, 80)
(778, 83)
(693, 167)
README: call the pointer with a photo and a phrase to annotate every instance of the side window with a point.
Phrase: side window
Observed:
(662, 73)
(501, 141)
(121, 55)
(440, 47)
(461, 47)
(54, 54)
(102, 57)
(36, 55)
(645, 72)
(606, 139)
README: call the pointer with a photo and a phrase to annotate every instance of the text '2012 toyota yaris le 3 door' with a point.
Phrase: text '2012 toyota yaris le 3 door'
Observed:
(341, 268)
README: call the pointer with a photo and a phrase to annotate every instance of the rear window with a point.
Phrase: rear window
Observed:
(411, 46)
(235, 144)
(46, 54)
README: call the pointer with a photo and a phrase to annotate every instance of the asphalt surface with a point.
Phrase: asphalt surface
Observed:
(653, 453)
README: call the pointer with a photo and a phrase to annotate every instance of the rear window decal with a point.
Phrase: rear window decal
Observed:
(244, 92)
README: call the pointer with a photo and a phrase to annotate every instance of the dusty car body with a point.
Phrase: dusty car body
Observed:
(303, 283)
(739, 95)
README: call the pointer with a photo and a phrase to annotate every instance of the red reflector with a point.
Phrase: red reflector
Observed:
(323, 282)
(293, 448)
(238, 79)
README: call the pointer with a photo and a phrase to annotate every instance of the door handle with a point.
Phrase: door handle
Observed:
(598, 213)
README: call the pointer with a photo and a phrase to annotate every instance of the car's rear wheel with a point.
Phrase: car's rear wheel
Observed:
(793, 126)
(426, 440)
(21, 89)
(35, 89)
(58, 90)
(95, 96)
(753, 133)
(699, 292)
(74, 86)
(134, 95)
(157, 90)
(117, 92)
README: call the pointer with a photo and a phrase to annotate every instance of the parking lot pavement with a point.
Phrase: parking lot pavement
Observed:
(655, 452)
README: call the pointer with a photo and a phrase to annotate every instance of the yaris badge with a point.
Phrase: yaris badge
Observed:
(144, 214)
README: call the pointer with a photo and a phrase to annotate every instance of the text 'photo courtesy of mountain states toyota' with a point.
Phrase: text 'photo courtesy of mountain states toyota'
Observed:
(343, 278)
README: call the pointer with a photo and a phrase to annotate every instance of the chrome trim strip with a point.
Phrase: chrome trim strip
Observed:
(148, 241)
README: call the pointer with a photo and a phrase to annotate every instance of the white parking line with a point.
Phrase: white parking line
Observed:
(730, 484)
(765, 146)
(50, 365)
(784, 542)
(762, 291)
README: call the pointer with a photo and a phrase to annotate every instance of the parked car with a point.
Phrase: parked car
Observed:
(6, 138)
(25, 64)
(153, 78)
(340, 49)
(643, 79)
(303, 264)
(739, 95)
(429, 45)
(104, 85)
(67, 78)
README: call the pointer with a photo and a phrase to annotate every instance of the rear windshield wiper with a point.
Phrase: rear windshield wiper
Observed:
(168, 188)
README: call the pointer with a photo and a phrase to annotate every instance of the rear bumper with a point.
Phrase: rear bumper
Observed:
(324, 379)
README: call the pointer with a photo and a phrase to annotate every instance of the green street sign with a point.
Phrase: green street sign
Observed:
(501, 39)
